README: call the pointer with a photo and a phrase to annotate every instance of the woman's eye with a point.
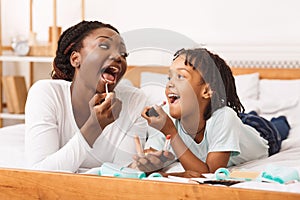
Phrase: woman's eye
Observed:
(104, 46)
(169, 78)
(124, 54)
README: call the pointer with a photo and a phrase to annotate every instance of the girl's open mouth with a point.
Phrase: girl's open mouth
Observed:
(173, 98)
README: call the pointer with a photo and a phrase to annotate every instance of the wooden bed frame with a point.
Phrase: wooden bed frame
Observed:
(26, 184)
(133, 72)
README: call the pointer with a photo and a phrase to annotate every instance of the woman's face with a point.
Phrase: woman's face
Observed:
(102, 60)
(183, 90)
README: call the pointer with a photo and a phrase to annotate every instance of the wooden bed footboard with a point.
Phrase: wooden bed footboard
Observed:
(24, 184)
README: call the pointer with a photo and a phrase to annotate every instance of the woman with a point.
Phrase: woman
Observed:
(84, 117)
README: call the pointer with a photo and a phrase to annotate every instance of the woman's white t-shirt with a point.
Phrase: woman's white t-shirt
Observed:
(54, 142)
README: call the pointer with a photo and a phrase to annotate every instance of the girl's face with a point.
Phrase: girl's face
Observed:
(184, 90)
(102, 60)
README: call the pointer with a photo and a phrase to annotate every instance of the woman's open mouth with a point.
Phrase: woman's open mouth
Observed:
(110, 74)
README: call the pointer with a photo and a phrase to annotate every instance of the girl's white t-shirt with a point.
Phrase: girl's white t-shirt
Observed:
(225, 131)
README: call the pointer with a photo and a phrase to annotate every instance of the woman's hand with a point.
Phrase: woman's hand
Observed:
(103, 111)
(152, 160)
(106, 109)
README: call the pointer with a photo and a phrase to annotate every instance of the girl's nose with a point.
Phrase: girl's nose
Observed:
(170, 84)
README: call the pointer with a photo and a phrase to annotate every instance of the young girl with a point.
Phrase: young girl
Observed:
(208, 132)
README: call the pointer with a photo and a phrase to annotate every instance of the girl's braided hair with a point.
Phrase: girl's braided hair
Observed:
(71, 40)
(218, 75)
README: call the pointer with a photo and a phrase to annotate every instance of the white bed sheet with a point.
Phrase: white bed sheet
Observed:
(12, 156)
(12, 146)
(12, 150)
(288, 156)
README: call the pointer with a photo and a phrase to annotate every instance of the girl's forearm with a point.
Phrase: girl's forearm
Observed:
(187, 159)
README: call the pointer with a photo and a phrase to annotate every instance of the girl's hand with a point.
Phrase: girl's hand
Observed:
(152, 161)
(186, 174)
(162, 122)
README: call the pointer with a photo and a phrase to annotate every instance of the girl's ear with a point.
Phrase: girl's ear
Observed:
(207, 92)
(75, 59)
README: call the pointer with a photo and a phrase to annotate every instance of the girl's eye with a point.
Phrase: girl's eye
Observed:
(104, 46)
(124, 54)
(179, 76)
(169, 78)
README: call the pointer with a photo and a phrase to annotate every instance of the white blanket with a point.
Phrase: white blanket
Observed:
(12, 156)
(12, 146)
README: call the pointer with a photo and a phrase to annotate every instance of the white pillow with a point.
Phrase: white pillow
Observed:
(247, 86)
(279, 89)
(126, 82)
(280, 97)
(153, 85)
(247, 90)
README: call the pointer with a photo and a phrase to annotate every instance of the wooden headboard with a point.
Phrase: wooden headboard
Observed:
(134, 72)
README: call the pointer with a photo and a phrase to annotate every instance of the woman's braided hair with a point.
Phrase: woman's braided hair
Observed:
(71, 40)
(218, 75)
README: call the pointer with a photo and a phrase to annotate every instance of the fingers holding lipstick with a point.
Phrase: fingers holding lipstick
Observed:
(105, 110)
(158, 121)
(97, 99)
(102, 113)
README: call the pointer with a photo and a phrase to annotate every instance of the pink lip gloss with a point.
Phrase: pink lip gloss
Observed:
(138, 146)
(167, 143)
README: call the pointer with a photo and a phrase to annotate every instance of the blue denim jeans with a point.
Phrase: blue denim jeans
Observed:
(273, 131)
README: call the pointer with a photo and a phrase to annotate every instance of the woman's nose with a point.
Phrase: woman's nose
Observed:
(115, 57)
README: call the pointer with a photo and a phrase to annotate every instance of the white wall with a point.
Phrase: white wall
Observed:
(213, 21)
(236, 29)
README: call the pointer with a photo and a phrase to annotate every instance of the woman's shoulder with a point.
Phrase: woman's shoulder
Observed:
(49, 87)
(52, 82)
(49, 83)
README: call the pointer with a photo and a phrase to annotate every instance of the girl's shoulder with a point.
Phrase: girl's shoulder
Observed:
(225, 115)
(225, 111)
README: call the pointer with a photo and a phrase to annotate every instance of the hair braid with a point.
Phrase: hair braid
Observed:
(71, 40)
(232, 100)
